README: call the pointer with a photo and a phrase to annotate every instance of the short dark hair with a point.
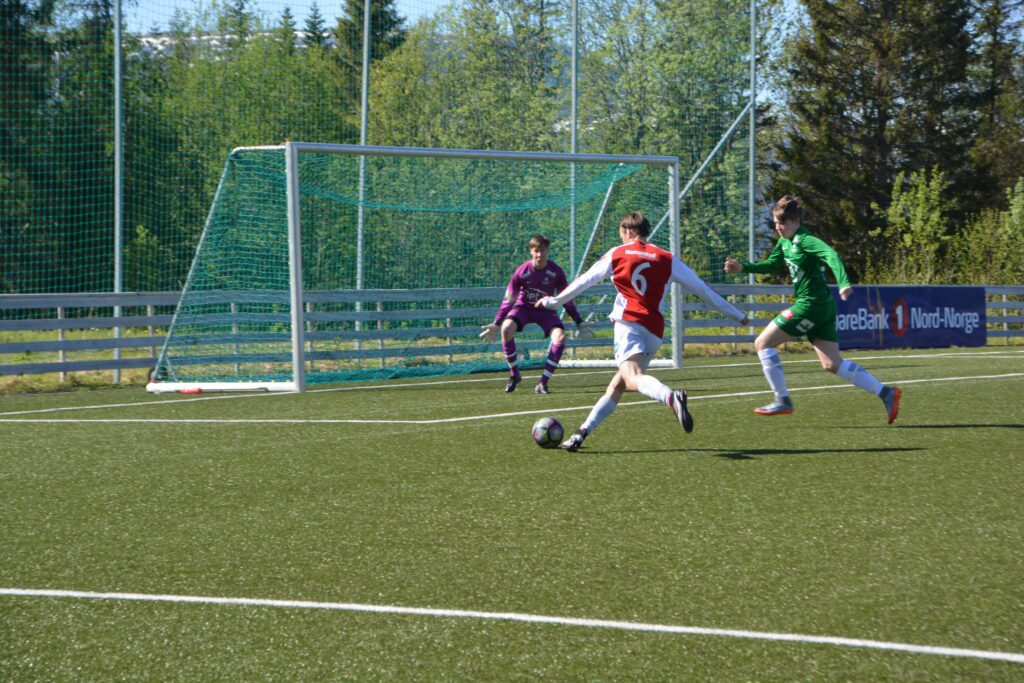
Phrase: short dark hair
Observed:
(636, 222)
(789, 208)
(540, 242)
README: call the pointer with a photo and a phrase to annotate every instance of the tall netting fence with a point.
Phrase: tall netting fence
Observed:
(429, 225)
(202, 78)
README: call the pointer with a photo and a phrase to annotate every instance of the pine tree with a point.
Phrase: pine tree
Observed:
(315, 28)
(235, 23)
(998, 73)
(285, 33)
(387, 31)
(877, 87)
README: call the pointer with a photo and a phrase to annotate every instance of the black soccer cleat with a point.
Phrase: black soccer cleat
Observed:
(513, 382)
(575, 441)
(541, 389)
(679, 408)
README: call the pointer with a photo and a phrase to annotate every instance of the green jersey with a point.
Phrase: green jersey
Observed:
(806, 257)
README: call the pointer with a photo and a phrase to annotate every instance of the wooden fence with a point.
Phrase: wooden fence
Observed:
(34, 328)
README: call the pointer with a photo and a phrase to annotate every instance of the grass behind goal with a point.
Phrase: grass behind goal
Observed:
(827, 522)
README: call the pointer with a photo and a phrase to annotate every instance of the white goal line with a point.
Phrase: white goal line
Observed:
(1014, 657)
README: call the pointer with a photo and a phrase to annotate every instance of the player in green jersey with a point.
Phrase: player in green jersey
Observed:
(813, 313)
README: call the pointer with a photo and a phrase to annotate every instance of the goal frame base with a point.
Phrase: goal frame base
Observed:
(196, 387)
(609, 363)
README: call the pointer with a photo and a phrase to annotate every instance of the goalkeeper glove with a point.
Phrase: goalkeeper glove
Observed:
(489, 332)
(584, 331)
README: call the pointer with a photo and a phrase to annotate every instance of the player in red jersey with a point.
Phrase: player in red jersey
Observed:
(641, 273)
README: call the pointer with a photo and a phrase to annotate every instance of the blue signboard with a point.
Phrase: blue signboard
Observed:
(902, 317)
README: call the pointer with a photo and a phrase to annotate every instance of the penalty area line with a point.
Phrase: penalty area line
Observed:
(1016, 658)
(471, 418)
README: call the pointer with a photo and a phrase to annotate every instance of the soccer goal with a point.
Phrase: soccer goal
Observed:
(323, 263)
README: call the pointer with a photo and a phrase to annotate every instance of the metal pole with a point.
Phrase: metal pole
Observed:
(753, 139)
(573, 135)
(62, 354)
(676, 246)
(295, 267)
(364, 111)
(118, 177)
(753, 127)
(593, 231)
(364, 116)
(378, 150)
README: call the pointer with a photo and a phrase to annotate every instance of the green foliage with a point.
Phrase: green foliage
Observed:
(481, 76)
(987, 251)
(921, 249)
(914, 232)
(654, 78)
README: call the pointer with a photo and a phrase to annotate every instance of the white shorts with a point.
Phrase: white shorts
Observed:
(632, 339)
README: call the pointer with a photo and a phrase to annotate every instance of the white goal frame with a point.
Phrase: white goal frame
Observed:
(292, 150)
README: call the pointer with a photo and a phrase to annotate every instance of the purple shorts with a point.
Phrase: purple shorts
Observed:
(548, 320)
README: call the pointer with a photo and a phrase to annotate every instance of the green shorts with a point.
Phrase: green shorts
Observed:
(815, 319)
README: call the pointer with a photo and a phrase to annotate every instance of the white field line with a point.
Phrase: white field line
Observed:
(463, 380)
(527, 618)
(470, 418)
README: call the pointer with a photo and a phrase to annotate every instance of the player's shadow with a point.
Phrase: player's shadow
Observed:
(751, 453)
(940, 426)
(963, 426)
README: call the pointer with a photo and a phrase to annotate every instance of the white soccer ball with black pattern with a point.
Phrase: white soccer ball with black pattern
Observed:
(548, 432)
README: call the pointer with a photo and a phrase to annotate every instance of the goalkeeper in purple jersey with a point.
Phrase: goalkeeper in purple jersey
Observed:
(812, 314)
(532, 281)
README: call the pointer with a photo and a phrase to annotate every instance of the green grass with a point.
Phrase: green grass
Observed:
(826, 522)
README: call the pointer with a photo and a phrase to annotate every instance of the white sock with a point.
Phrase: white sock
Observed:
(772, 368)
(859, 377)
(651, 387)
(604, 407)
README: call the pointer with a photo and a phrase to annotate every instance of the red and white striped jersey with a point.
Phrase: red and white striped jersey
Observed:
(641, 273)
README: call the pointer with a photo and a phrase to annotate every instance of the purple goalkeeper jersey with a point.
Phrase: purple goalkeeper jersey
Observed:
(529, 285)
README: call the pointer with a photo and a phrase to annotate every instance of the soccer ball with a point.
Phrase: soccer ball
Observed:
(548, 432)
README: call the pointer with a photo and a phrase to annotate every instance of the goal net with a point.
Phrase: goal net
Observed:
(323, 263)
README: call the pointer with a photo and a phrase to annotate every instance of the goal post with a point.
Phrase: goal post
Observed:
(323, 263)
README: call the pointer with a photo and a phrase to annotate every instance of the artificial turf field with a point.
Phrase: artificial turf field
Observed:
(412, 530)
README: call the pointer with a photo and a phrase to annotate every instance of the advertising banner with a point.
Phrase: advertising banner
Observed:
(904, 317)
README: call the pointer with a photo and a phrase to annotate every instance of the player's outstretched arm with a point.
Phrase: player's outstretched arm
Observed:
(685, 276)
(772, 264)
(597, 272)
